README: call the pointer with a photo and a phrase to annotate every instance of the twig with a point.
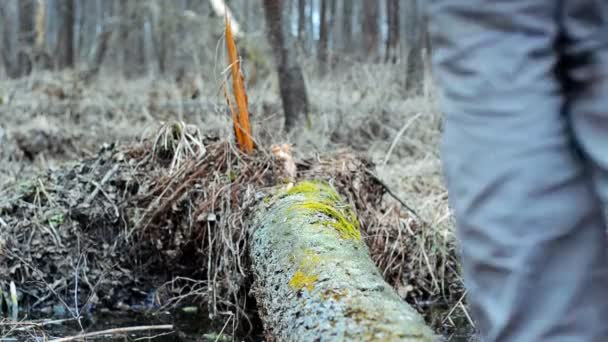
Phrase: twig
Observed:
(22, 326)
(154, 336)
(76, 273)
(46, 194)
(2, 223)
(398, 136)
(114, 331)
(42, 275)
(466, 313)
(103, 181)
(390, 192)
(223, 328)
(449, 314)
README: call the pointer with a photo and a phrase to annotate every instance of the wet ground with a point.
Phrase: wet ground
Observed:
(184, 326)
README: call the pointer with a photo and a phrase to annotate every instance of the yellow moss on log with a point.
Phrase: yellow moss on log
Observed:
(321, 198)
(347, 229)
(301, 280)
(315, 188)
(305, 276)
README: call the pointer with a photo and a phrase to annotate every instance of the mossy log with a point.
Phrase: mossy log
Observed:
(314, 278)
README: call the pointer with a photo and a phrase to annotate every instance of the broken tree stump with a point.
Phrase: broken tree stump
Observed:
(314, 278)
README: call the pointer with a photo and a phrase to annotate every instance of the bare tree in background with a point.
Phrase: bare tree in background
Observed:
(302, 22)
(40, 25)
(416, 36)
(141, 36)
(132, 38)
(65, 49)
(310, 27)
(323, 36)
(347, 26)
(8, 51)
(26, 36)
(332, 30)
(291, 80)
(371, 29)
(392, 41)
(162, 42)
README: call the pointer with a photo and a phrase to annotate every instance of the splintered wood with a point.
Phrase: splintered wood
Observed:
(240, 114)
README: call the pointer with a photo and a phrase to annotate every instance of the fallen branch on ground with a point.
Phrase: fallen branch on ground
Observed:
(114, 331)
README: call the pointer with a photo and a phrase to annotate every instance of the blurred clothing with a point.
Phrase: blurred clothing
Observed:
(525, 151)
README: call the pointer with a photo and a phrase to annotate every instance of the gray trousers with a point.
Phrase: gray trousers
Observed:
(525, 96)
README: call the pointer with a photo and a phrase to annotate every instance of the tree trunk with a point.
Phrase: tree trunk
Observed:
(26, 36)
(9, 46)
(40, 25)
(347, 26)
(291, 80)
(370, 28)
(65, 48)
(132, 37)
(97, 55)
(314, 278)
(332, 30)
(301, 21)
(416, 39)
(286, 18)
(323, 36)
(161, 29)
(310, 28)
(392, 42)
(26, 23)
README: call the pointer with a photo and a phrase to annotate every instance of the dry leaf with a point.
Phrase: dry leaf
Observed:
(283, 153)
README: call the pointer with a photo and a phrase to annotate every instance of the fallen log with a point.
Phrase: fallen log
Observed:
(314, 278)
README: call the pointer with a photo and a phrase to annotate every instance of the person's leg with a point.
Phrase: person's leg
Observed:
(586, 64)
(528, 219)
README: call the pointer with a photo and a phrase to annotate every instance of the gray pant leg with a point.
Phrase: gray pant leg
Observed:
(528, 219)
(586, 45)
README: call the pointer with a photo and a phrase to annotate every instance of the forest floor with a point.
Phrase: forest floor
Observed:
(62, 139)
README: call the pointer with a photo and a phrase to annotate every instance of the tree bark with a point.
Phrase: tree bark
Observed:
(332, 31)
(416, 39)
(291, 79)
(392, 42)
(370, 28)
(347, 26)
(314, 277)
(133, 39)
(301, 21)
(97, 55)
(162, 28)
(26, 37)
(26, 23)
(323, 36)
(9, 46)
(65, 48)
(310, 28)
(40, 25)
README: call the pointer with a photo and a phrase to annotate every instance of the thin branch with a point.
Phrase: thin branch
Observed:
(390, 192)
(100, 185)
(398, 136)
(114, 331)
